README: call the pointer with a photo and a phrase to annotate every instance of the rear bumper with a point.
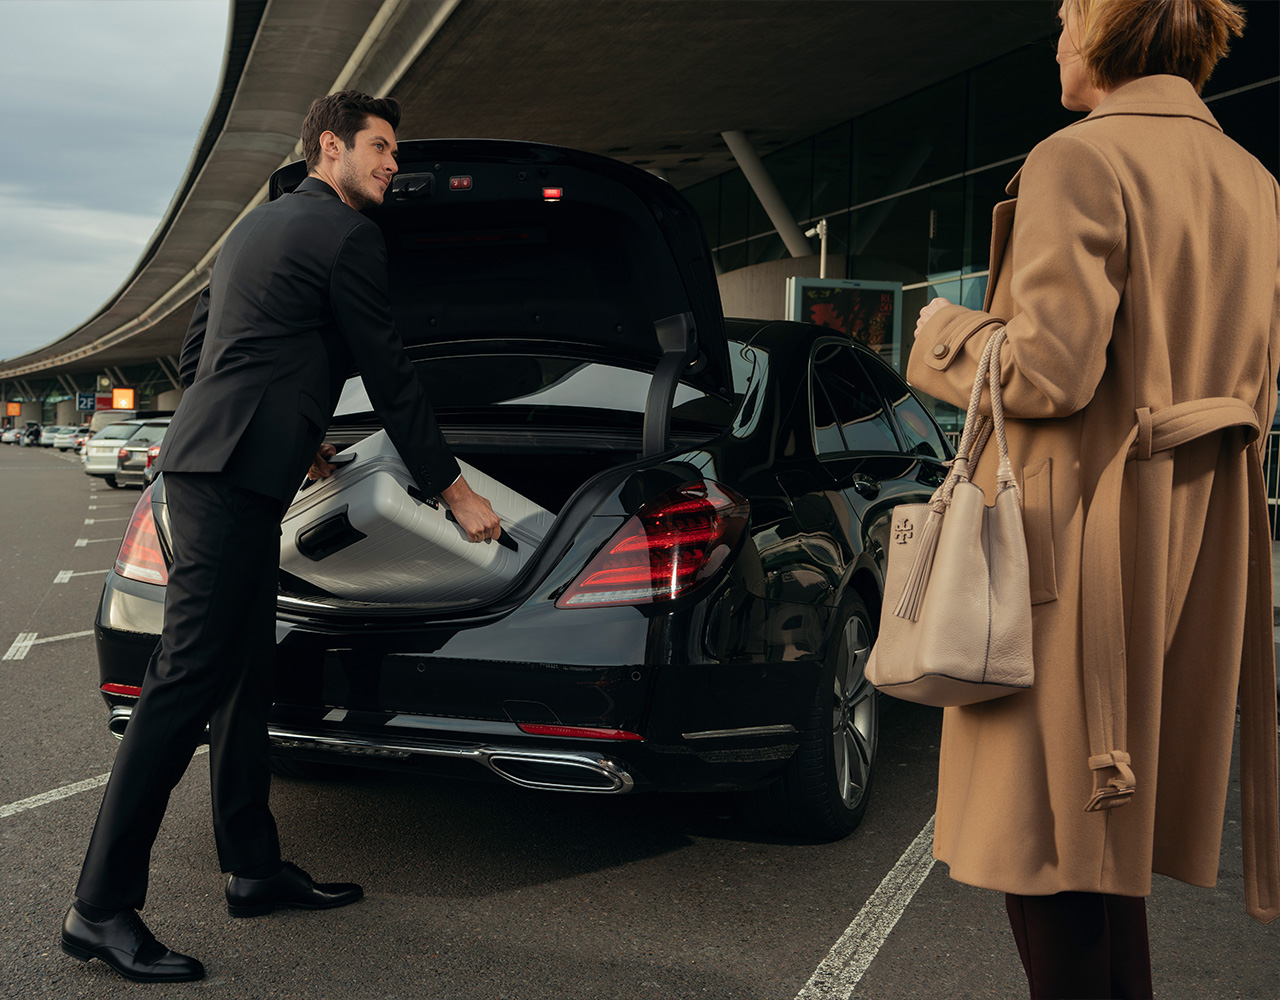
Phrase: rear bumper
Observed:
(423, 697)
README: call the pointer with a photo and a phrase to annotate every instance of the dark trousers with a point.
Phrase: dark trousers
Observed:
(213, 666)
(1082, 945)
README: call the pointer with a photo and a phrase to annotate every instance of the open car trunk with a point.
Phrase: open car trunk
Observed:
(548, 455)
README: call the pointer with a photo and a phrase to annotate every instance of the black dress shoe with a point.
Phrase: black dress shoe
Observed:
(290, 887)
(124, 943)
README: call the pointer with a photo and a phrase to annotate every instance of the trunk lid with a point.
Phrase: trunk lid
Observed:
(523, 242)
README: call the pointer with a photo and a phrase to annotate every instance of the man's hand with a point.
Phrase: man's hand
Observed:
(321, 469)
(928, 311)
(474, 513)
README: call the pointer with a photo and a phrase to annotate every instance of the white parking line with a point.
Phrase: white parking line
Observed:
(850, 957)
(82, 542)
(44, 798)
(109, 506)
(103, 520)
(22, 645)
(65, 574)
(22, 805)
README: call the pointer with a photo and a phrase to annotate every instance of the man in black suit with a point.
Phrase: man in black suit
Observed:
(297, 301)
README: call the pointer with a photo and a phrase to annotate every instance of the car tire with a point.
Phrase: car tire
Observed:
(826, 787)
(111, 481)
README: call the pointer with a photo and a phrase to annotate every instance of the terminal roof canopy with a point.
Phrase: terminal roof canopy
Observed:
(650, 82)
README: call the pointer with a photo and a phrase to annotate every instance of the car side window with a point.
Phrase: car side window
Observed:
(855, 408)
(922, 437)
(826, 428)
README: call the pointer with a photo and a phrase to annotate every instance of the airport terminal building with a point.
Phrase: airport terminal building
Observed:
(894, 126)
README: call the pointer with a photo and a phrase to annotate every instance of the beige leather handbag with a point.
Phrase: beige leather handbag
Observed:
(955, 627)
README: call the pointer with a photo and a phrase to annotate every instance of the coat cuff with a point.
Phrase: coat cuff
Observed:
(954, 326)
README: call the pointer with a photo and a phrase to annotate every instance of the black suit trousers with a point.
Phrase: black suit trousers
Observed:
(214, 665)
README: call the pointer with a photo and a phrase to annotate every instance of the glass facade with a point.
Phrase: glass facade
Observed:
(907, 189)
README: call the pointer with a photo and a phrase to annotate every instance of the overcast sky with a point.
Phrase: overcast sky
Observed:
(102, 105)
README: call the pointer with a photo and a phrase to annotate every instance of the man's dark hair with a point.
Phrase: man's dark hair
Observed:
(344, 114)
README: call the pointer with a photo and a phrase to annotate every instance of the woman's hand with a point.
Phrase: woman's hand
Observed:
(927, 313)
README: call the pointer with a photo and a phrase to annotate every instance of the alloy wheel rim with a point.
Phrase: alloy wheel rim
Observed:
(854, 717)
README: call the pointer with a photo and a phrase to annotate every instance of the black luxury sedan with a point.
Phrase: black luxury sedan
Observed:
(699, 615)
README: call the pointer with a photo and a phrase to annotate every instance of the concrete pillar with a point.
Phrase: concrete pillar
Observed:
(762, 184)
(168, 400)
(66, 414)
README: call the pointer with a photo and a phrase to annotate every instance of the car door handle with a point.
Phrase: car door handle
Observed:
(867, 487)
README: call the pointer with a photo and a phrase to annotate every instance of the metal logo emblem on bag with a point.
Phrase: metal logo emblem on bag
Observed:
(903, 531)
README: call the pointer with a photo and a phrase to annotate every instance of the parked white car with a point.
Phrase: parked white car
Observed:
(68, 438)
(49, 434)
(102, 451)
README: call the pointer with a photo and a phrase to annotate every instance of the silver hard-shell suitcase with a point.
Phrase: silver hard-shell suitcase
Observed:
(369, 534)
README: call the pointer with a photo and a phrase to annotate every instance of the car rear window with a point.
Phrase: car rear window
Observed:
(543, 382)
(117, 432)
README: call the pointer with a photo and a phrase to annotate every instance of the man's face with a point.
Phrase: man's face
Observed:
(365, 168)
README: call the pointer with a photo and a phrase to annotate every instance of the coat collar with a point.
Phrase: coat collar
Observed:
(315, 184)
(1160, 96)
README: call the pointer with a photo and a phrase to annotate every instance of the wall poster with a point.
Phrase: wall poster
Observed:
(870, 312)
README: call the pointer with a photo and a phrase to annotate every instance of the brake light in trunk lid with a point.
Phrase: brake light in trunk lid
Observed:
(140, 557)
(671, 545)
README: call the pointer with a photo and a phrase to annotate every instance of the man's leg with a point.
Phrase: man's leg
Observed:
(215, 587)
(239, 749)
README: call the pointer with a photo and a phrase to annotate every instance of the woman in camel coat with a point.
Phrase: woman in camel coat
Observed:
(1136, 273)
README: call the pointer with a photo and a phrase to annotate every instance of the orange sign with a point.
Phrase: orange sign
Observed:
(122, 399)
(13, 409)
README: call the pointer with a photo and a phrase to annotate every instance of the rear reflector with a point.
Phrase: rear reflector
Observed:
(674, 543)
(140, 557)
(128, 690)
(578, 732)
(552, 194)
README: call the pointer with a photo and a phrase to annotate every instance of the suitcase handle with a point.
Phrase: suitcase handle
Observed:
(330, 534)
(504, 539)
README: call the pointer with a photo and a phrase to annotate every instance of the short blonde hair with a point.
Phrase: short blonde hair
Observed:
(1120, 39)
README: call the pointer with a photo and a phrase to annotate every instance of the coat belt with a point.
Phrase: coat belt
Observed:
(1102, 604)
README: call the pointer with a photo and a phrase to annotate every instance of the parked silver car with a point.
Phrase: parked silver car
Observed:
(133, 458)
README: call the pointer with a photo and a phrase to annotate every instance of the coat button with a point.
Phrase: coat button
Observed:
(940, 350)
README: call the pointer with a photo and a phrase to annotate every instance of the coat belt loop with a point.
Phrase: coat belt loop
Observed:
(1144, 434)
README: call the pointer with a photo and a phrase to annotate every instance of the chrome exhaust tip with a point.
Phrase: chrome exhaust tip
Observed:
(561, 772)
(119, 720)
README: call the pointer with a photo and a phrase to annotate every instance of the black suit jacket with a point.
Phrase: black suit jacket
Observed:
(298, 301)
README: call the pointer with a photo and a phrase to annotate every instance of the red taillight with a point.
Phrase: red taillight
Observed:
(673, 543)
(128, 690)
(122, 453)
(140, 557)
(552, 194)
(578, 732)
(152, 454)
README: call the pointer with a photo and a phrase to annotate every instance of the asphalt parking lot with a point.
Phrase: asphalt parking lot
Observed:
(483, 891)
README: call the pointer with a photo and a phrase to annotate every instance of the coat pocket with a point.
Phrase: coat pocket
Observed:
(1037, 523)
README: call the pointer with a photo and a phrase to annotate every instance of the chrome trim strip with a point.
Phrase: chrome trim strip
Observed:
(710, 734)
(616, 777)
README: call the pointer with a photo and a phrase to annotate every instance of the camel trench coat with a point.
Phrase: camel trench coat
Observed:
(1136, 272)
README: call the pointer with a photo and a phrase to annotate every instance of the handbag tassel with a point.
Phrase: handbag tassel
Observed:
(913, 590)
